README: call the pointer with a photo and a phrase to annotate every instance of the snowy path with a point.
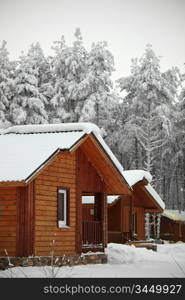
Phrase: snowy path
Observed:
(124, 261)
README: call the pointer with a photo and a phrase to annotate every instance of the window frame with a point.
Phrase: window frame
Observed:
(63, 223)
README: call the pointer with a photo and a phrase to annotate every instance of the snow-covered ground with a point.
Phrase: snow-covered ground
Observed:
(123, 261)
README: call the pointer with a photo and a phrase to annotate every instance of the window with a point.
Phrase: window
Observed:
(62, 208)
(134, 223)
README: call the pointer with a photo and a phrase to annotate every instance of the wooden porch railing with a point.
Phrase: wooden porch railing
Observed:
(92, 233)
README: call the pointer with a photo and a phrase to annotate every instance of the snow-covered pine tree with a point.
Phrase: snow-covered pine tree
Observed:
(99, 83)
(43, 67)
(180, 143)
(28, 105)
(69, 71)
(150, 95)
(6, 70)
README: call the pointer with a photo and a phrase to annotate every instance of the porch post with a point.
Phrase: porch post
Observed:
(131, 212)
(104, 219)
(78, 207)
(97, 207)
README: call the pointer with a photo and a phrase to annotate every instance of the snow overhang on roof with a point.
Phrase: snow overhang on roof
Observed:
(174, 215)
(134, 176)
(25, 148)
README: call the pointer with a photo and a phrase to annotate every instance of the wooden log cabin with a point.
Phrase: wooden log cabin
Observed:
(44, 172)
(126, 214)
(173, 225)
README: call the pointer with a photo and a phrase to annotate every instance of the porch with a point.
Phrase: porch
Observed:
(94, 222)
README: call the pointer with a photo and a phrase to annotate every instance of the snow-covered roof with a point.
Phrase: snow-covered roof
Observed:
(155, 195)
(21, 155)
(174, 215)
(25, 148)
(134, 176)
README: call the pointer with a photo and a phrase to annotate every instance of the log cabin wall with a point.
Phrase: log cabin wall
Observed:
(60, 173)
(8, 221)
(171, 230)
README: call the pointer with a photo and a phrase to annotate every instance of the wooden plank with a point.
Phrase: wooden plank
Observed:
(4, 244)
(12, 183)
(57, 248)
(54, 184)
(13, 222)
(7, 234)
(49, 243)
(8, 212)
(54, 233)
(7, 238)
(7, 191)
(46, 208)
(7, 228)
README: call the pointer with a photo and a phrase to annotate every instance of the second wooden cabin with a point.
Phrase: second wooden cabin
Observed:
(126, 215)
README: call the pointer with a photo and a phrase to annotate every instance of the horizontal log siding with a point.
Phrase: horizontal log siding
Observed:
(61, 173)
(8, 221)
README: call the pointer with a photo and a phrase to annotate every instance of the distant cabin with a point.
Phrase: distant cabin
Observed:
(173, 225)
(45, 171)
(126, 214)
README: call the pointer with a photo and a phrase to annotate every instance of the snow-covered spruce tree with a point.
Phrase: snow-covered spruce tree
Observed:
(98, 81)
(150, 95)
(69, 71)
(43, 67)
(179, 155)
(6, 72)
(28, 105)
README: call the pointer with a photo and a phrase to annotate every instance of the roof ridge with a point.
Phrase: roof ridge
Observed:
(58, 127)
(41, 132)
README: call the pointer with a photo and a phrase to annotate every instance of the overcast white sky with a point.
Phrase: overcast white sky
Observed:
(127, 26)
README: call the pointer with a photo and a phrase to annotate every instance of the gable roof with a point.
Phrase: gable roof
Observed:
(25, 148)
